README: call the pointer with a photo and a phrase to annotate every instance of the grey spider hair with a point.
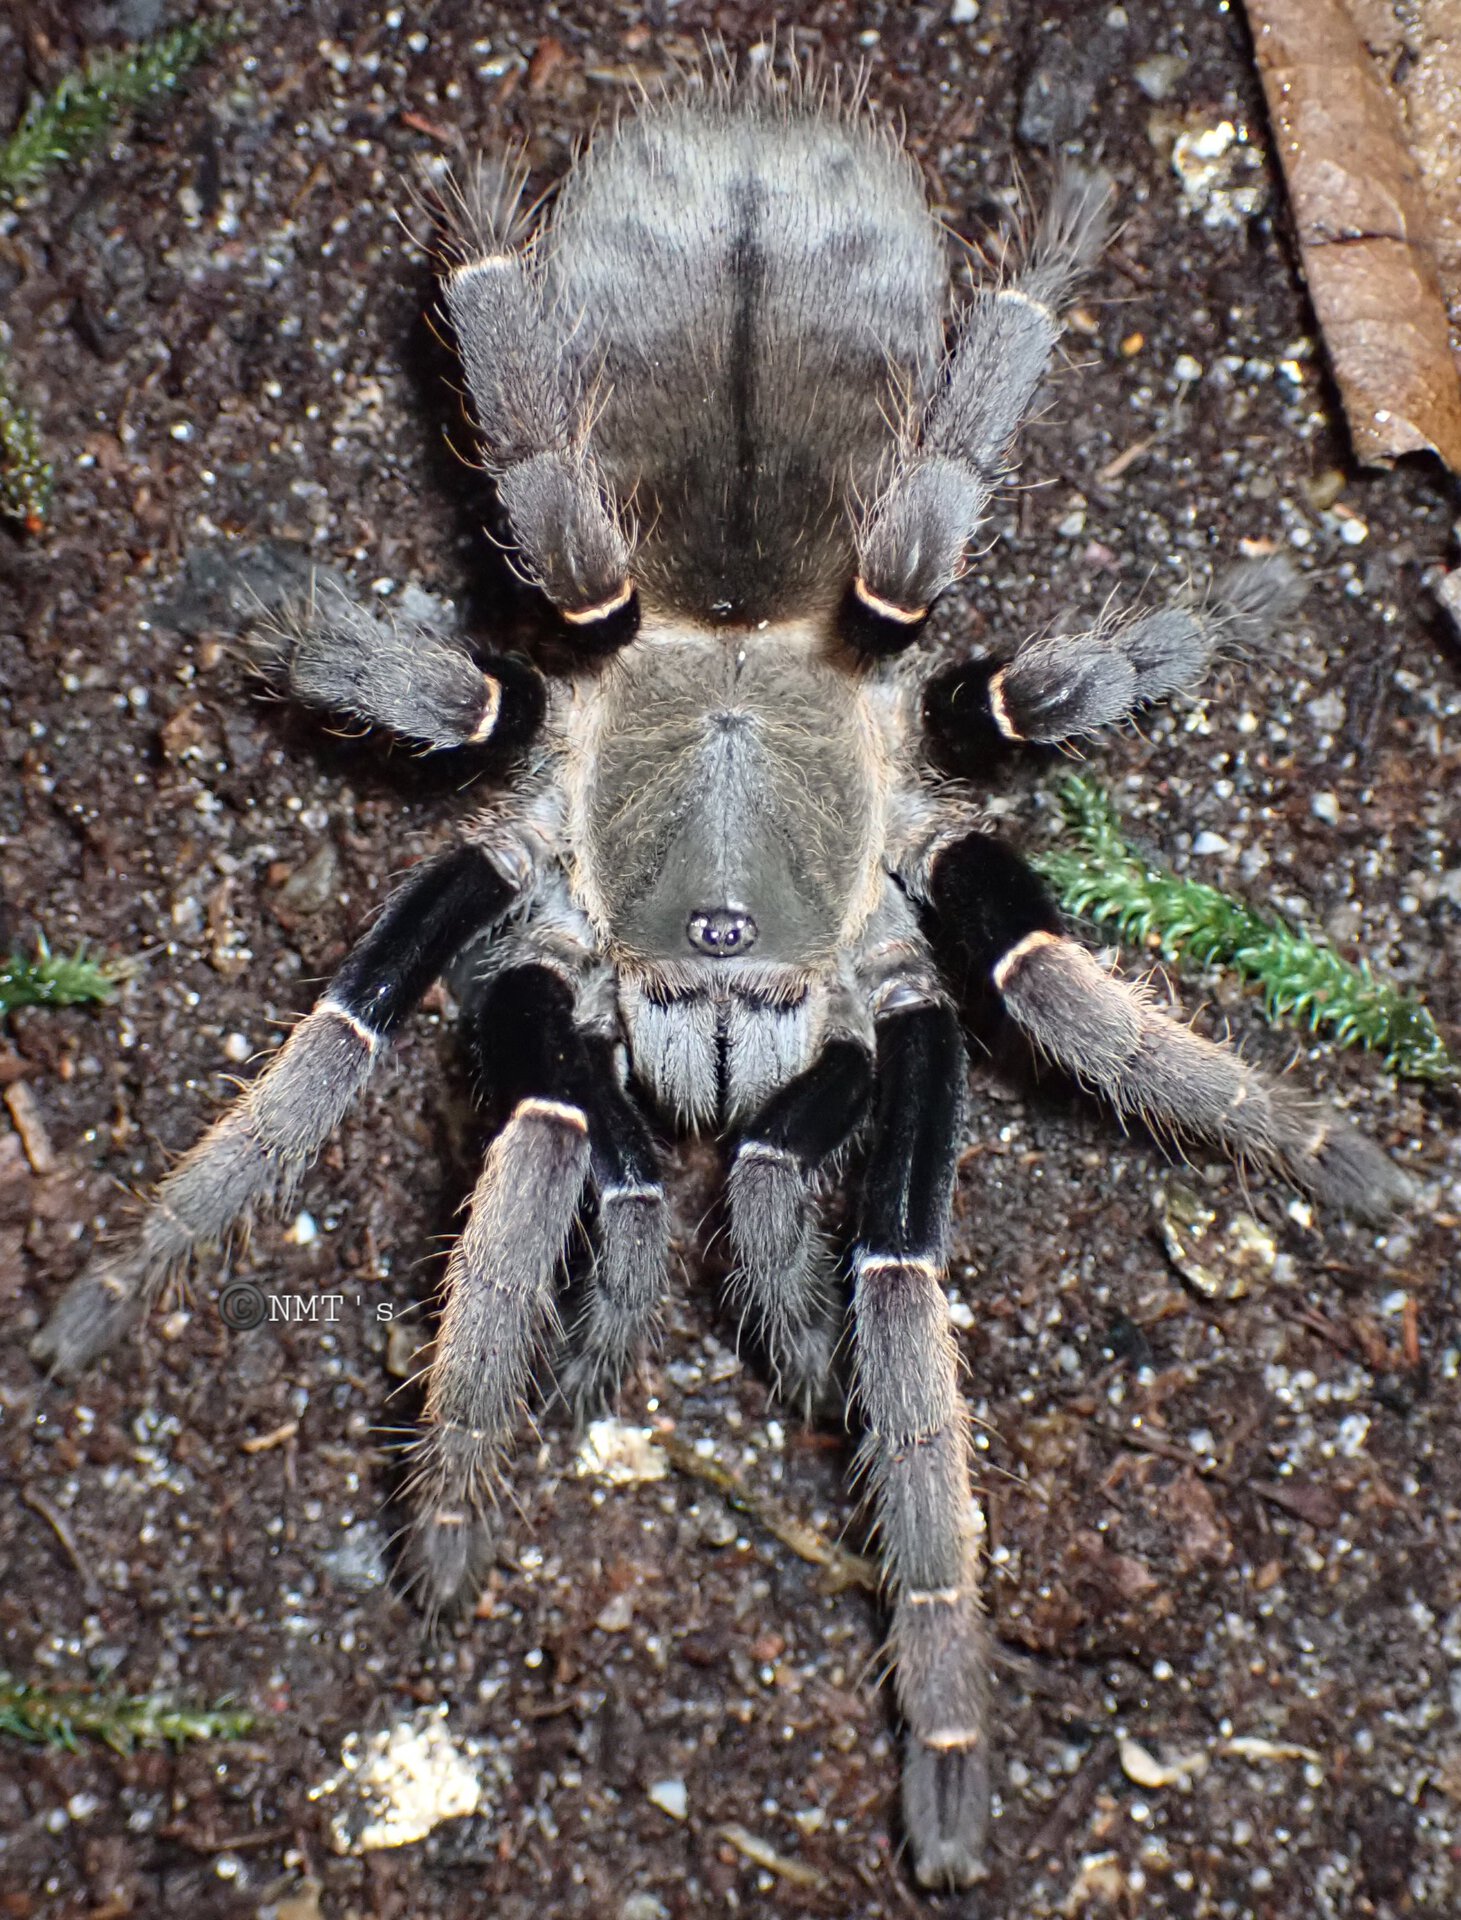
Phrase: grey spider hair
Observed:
(743, 441)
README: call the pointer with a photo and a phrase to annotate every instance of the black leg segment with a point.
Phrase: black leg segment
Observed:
(984, 902)
(424, 925)
(916, 1445)
(783, 1268)
(910, 1170)
(526, 1044)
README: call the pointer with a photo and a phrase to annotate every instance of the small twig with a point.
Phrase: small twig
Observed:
(1075, 1803)
(247, 1842)
(38, 1503)
(1316, 1506)
(266, 1442)
(1128, 457)
(763, 1855)
(847, 1569)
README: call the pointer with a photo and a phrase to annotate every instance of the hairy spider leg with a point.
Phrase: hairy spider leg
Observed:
(631, 1230)
(993, 915)
(911, 546)
(1062, 686)
(916, 1444)
(254, 1155)
(571, 1127)
(784, 1269)
(410, 676)
(530, 415)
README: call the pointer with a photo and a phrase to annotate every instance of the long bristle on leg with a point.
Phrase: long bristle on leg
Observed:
(916, 1448)
(783, 1269)
(252, 1158)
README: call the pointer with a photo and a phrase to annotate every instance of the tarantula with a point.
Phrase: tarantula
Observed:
(726, 886)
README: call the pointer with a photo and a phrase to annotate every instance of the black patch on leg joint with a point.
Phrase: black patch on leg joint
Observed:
(814, 1114)
(958, 714)
(986, 901)
(422, 927)
(604, 628)
(876, 626)
(522, 701)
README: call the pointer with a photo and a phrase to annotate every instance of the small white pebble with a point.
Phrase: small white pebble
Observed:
(1328, 710)
(304, 1232)
(1210, 843)
(617, 1614)
(236, 1048)
(1353, 532)
(1325, 807)
(671, 1797)
(1186, 368)
(962, 12)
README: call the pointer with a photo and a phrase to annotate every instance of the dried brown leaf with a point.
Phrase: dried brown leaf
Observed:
(1366, 232)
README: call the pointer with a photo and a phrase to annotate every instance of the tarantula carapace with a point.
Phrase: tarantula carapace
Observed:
(743, 435)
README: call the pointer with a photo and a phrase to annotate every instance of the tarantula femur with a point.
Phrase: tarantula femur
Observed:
(726, 887)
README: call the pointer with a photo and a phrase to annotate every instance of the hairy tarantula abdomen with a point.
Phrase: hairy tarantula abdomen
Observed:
(743, 434)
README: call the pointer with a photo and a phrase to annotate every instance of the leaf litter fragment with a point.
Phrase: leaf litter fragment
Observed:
(1366, 231)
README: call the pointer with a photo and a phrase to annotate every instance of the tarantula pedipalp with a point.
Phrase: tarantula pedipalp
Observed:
(724, 885)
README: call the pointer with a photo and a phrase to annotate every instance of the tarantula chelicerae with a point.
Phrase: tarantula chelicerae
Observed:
(726, 887)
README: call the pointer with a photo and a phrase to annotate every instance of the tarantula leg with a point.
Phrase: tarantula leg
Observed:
(631, 1240)
(528, 1040)
(498, 1308)
(405, 675)
(916, 1449)
(571, 1125)
(529, 415)
(912, 545)
(1062, 686)
(253, 1156)
(1115, 1038)
(782, 1264)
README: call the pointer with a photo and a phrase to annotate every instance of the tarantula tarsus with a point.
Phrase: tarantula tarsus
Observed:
(726, 885)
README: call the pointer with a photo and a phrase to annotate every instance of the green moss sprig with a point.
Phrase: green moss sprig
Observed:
(60, 126)
(26, 477)
(58, 980)
(64, 1716)
(1100, 877)
(83, 106)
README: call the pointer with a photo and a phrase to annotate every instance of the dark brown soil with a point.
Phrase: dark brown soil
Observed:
(218, 325)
